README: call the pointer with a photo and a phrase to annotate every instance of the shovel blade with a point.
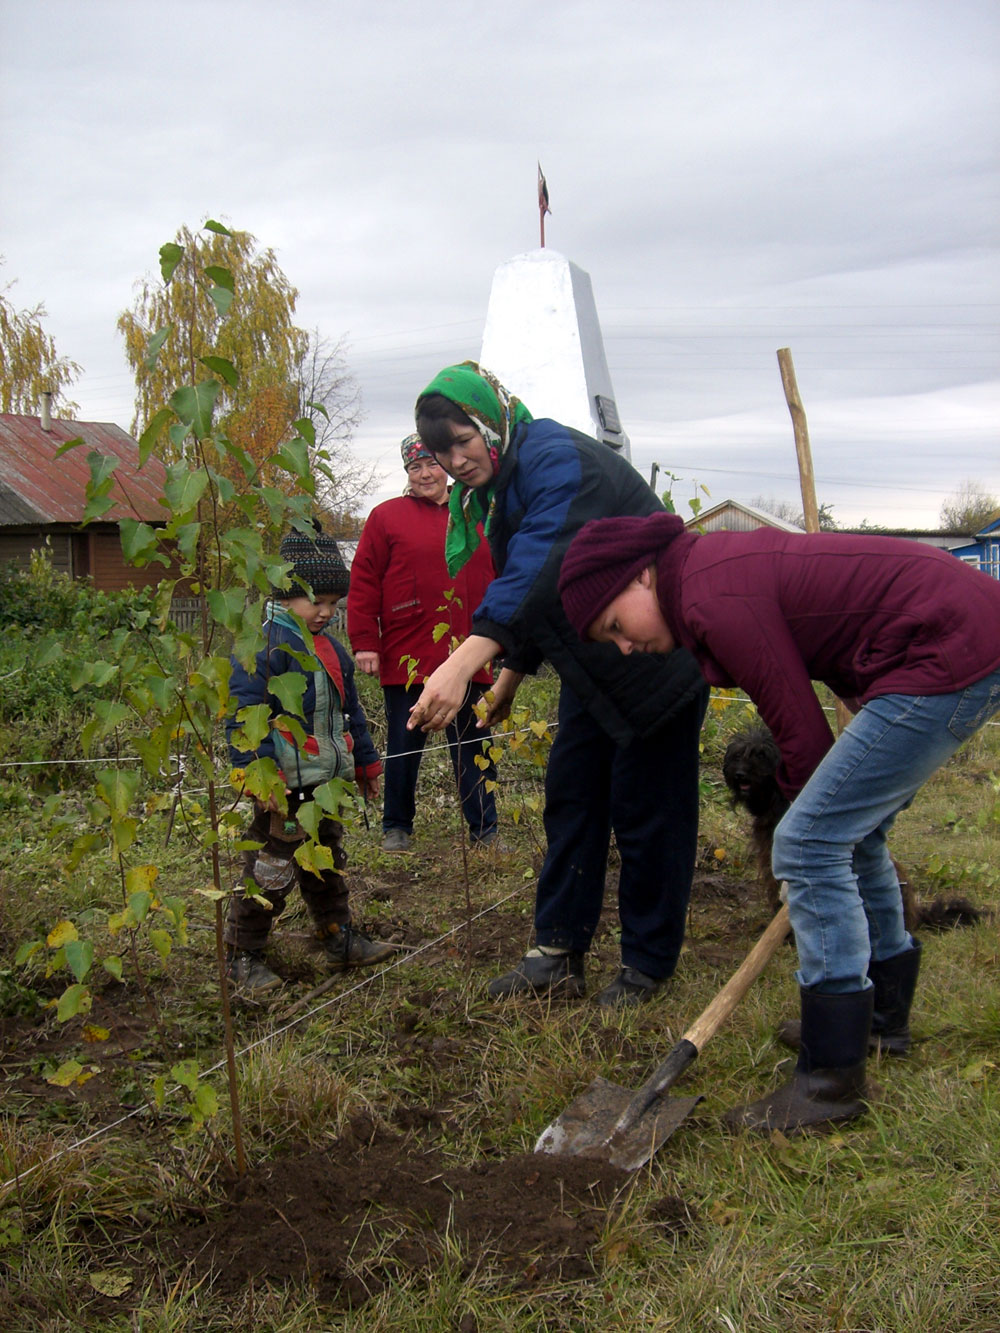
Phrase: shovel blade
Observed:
(586, 1128)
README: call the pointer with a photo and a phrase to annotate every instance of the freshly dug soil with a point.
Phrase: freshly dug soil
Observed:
(350, 1220)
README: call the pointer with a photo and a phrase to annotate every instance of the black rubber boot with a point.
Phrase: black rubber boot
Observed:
(829, 1080)
(895, 981)
(540, 974)
(629, 989)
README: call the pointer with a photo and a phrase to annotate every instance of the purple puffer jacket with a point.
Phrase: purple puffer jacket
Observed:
(773, 611)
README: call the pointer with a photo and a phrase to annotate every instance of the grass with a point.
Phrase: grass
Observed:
(888, 1225)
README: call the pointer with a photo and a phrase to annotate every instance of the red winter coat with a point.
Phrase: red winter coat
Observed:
(398, 586)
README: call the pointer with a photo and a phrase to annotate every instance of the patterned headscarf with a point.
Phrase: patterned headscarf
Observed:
(413, 448)
(496, 413)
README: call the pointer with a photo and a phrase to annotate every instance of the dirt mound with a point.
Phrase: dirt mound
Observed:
(354, 1218)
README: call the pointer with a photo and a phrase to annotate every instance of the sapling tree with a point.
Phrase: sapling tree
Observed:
(172, 695)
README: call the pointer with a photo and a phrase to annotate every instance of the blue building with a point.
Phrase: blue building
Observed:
(984, 549)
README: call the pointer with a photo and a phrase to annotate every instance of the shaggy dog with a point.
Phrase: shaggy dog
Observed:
(748, 766)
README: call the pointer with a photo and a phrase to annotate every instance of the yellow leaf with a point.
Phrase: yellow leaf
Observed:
(61, 934)
(111, 1284)
(91, 1032)
(719, 853)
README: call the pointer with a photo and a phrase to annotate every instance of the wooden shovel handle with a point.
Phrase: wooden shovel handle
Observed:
(711, 1019)
(707, 1023)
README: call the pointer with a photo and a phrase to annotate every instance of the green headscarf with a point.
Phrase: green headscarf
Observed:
(496, 413)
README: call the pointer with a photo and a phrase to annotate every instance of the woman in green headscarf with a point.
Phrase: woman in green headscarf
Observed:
(626, 753)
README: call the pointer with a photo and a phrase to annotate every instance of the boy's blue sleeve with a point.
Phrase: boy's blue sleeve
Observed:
(365, 753)
(247, 688)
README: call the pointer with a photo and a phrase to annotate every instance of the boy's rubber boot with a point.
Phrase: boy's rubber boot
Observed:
(248, 972)
(538, 974)
(828, 1084)
(895, 982)
(344, 946)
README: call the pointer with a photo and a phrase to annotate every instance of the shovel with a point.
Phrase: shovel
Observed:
(624, 1128)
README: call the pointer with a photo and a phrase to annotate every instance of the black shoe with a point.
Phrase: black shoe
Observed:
(895, 981)
(629, 989)
(248, 972)
(540, 974)
(828, 1084)
(346, 947)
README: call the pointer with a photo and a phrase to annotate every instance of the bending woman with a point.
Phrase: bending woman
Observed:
(909, 637)
(625, 756)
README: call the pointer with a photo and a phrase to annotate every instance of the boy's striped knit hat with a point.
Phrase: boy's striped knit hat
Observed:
(316, 561)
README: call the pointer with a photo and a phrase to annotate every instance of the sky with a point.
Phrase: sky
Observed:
(736, 176)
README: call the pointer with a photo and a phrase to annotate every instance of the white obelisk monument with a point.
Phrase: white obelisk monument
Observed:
(543, 341)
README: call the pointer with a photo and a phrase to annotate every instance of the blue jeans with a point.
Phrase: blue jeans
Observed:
(830, 848)
(404, 750)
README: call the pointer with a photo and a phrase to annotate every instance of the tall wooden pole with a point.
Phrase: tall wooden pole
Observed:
(807, 482)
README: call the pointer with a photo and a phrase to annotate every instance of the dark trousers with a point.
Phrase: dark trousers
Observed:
(275, 873)
(402, 763)
(648, 793)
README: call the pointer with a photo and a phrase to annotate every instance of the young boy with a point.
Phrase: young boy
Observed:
(338, 744)
(909, 637)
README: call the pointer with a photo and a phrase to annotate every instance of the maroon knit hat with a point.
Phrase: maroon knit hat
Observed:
(603, 559)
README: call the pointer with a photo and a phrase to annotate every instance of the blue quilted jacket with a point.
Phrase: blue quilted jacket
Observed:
(553, 480)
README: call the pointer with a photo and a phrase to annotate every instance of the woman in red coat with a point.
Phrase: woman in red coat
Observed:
(400, 591)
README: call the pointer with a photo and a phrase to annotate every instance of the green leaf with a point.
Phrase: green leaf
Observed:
(222, 299)
(194, 405)
(333, 796)
(113, 966)
(138, 540)
(185, 1072)
(314, 857)
(171, 255)
(139, 904)
(65, 447)
(74, 1000)
(152, 433)
(309, 816)
(161, 942)
(218, 365)
(67, 1073)
(79, 957)
(27, 950)
(228, 607)
(217, 227)
(156, 341)
(206, 1100)
(255, 720)
(306, 429)
(294, 458)
(184, 487)
(289, 687)
(221, 277)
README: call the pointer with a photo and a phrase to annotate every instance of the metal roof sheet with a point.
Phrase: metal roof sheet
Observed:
(53, 490)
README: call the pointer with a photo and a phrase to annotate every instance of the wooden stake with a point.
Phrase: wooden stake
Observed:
(807, 482)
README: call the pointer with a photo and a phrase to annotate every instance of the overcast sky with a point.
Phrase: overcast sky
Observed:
(736, 176)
